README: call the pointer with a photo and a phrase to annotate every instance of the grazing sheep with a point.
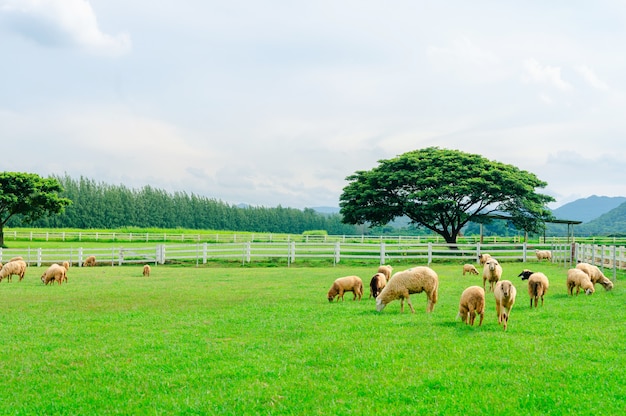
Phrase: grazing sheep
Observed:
(504, 293)
(146, 270)
(90, 261)
(492, 272)
(346, 284)
(472, 303)
(66, 264)
(596, 275)
(482, 258)
(378, 282)
(578, 279)
(386, 270)
(54, 273)
(538, 284)
(14, 267)
(402, 284)
(469, 268)
(543, 254)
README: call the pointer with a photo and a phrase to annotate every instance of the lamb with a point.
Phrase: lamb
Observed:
(469, 268)
(14, 267)
(146, 270)
(576, 278)
(54, 273)
(538, 284)
(346, 284)
(386, 270)
(492, 272)
(402, 284)
(596, 275)
(482, 258)
(378, 282)
(543, 254)
(89, 261)
(505, 294)
(472, 303)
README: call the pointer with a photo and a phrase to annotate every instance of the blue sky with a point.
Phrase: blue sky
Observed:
(276, 102)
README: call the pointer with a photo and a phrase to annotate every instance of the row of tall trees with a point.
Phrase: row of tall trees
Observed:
(101, 205)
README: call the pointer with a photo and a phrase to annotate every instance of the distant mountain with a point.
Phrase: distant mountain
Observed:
(587, 209)
(610, 223)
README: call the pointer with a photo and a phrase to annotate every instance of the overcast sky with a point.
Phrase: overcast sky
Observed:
(275, 102)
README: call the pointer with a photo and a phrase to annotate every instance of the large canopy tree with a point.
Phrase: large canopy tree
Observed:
(28, 195)
(442, 190)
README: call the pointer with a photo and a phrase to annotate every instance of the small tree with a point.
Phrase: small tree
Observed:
(442, 190)
(28, 195)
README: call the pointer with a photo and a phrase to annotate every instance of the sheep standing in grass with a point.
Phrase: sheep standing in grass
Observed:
(472, 303)
(146, 270)
(90, 261)
(54, 273)
(492, 272)
(543, 254)
(578, 279)
(346, 284)
(470, 268)
(538, 284)
(505, 294)
(596, 275)
(378, 282)
(14, 267)
(386, 270)
(482, 258)
(402, 284)
(66, 264)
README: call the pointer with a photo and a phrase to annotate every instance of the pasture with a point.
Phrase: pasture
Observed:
(244, 341)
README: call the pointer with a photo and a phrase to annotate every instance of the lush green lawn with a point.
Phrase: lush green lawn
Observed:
(266, 341)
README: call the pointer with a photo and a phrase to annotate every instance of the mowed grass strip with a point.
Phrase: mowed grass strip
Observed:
(192, 340)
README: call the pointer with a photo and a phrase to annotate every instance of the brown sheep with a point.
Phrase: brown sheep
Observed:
(14, 267)
(378, 282)
(54, 273)
(596, 275)
(538, 284)
(492, 272)
(66, 264)
(386, 270)
(578, 279)
(472, 302)
(402, 284)
(146, 270)
(543, 254)
(90, 261)
(469, 268)
(346, 284)
(505, 294)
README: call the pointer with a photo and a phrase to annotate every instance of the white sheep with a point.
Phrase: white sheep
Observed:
(492, 272)
(386, 270)
(578, 279)
(538, 284)
(146, 270)
(90, 261)
(346, 284)
(377, 283)
(472, 302)
(505, 294)
(596, 275)
(13, 267)
(543, 254)
(482, 258)
(54, 273)
(402, 284)
(469, 268)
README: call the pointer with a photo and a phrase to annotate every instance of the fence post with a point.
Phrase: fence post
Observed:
(337, 254)
(430, 253)
(293, 252)
(39, 257)
(120, 257)
(205, 248)
(80, 257)
(382, 253)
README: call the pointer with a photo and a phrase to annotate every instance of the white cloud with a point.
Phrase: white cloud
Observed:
(60, 23)
(591, 78)
(544, 74)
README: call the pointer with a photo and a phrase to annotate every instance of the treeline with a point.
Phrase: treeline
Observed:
(100, 205)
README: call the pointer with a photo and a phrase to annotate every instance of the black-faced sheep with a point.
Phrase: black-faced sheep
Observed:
(505, 294)
(543, 254)
(377, 283)
(346, 284)
(596, 275)
(482, 258)
(472, 302)
(538, 284)
(90, 261)
(469, 268)
(402, 284)
(146, 270)
(13, 267)
(492, 272)
(54, 273)
(578, 279)
(386, 270)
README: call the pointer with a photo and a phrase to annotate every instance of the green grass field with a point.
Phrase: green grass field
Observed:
(265, 341)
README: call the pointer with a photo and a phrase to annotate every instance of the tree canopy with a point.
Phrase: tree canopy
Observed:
(28, 195)
(442, 190)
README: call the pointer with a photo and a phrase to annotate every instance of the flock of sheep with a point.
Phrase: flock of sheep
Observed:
(54, 273)
(385, 287)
